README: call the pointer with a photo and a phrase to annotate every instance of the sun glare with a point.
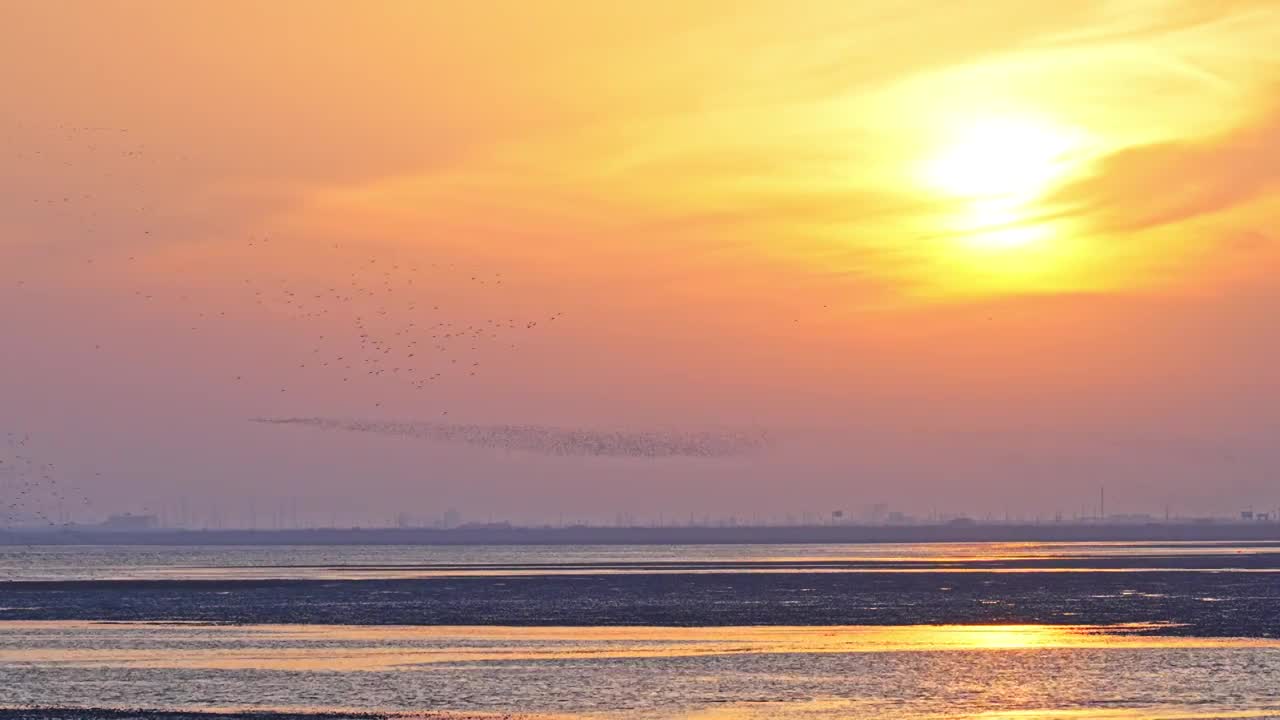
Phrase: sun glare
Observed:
(996, 169)
(1000, 157)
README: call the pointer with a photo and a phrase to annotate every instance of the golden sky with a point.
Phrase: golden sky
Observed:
(1050, 220)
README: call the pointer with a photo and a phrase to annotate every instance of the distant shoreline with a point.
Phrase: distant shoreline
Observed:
(581, 535)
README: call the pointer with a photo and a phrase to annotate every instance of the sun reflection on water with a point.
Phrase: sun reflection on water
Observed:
(346, 648)
(959, 672)
(854, 709)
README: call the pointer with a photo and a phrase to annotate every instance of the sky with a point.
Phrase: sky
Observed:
(978, 257)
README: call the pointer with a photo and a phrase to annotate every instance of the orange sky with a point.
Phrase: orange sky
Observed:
(983, 252)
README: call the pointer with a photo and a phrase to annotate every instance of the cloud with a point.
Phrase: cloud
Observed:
(1161, 184)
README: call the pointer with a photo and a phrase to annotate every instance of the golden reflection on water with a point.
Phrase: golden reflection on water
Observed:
(1000, 557)
(369, 648)
(767, 568)
(886, 558)
(1117, 714)
(853, 709)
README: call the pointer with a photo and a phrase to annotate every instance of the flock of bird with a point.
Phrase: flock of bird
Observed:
(388, 328)
(546, 440)
(391, 320)
(376, 322)
(33, 490)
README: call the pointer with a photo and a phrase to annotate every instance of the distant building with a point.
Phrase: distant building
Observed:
(129, 521)
(486, 526)
(451, 519)
(1131, 519)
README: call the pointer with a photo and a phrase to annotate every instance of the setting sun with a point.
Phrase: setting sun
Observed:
(997, 168)
(1001, 157)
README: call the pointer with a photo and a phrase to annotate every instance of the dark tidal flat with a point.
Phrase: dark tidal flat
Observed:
(123, 714)
(104, 713)
(1229, 603)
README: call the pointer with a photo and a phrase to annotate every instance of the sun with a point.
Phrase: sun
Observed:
(994, 169)
(1000, 157)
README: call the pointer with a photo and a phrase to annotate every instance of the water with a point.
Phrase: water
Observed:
(896, 672)
(1142, 662)
(368, 562)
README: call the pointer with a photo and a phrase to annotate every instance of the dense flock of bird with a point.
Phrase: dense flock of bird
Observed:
(369, 318)
(546, 440)
(31, 489)
(391, 320)
(382, 325)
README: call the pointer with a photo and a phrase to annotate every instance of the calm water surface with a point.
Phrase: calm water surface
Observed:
(369, 562)
(828, 672)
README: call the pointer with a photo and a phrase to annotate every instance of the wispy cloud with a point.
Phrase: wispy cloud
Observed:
(1156, 185)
